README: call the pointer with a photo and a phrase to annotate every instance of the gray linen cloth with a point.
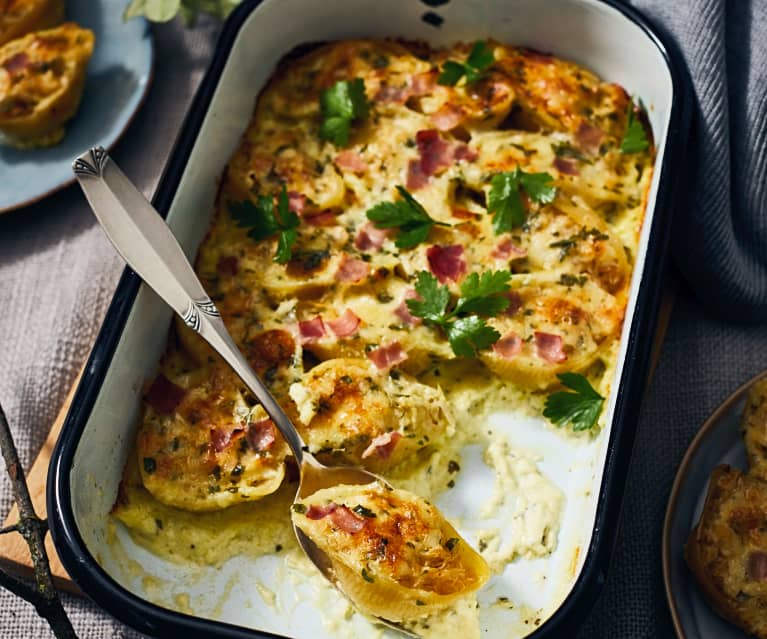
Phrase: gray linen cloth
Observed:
(57, 273)
(720, 237)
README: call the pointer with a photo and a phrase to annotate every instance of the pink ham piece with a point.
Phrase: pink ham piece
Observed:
(325, 217)
(447, 117)
(370, 238)
(423, 83)
(757, 565)
(164, 396)
(261, 435)
(436, 154)
(446, 262)
(509, 346)
(383, 445)
(384, 357)
(341, 516)
(403, 312)
(566, 166)
(346, 520)
(296, 202)
(350, 160)
(463, 152)
(311, 330)
(221, 438)
(395, 95)
(549, 347)
(515, 303)
(416, 178)
(228, 266)
(17, 62)
(589, 138)
(352, 270)
(320, 512)
(344, 325)
(506, 250)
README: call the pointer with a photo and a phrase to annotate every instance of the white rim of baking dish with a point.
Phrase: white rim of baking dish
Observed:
(155, 620)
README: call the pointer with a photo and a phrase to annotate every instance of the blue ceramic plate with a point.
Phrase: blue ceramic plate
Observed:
(118, 78)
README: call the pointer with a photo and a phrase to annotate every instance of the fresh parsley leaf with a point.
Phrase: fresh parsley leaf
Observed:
(468, 335)
(484, 294)
(262, 222)
(635, 138)
(581, 407)
(432, 306)
(408, 215)
(452, 72)
(480, 59)
(466, 331)
(505, 198)
(341, 105)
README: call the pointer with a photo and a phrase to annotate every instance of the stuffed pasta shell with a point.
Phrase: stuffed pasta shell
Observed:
(202, 446)
(20, 17)
(42, 77)
(351, 412)
(393, 553)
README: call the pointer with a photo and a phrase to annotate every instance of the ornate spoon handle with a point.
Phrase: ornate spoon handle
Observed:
(149, 247)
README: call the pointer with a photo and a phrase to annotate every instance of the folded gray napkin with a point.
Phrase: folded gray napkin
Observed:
(719, 235)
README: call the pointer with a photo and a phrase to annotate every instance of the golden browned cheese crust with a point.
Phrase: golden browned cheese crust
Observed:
(320, 328)
(395, 555)
(42, 77)
(727, 550)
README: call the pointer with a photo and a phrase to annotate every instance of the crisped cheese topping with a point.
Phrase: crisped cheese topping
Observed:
(330, 329)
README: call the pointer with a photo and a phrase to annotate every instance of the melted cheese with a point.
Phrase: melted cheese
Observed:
(571, 262)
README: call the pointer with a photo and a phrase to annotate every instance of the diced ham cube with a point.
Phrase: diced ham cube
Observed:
(383, 445)
(164, 396)
(370, 238)
(384, 357)
(311, 330)
(509, 346)
(344, 325)
(346, 520)
(261, 435)
(352, 269)
(351, 160)
(446, 262)
(549, 347)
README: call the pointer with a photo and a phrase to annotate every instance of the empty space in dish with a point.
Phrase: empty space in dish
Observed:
(586, 31)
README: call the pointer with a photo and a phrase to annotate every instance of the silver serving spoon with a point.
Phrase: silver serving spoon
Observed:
(147, 244)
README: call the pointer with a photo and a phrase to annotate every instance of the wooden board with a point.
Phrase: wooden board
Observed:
(14, 553)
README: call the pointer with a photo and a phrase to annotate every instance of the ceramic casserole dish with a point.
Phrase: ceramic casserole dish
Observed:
(253, 597)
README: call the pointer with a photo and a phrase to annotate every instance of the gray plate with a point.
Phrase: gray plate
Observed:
(719, 441)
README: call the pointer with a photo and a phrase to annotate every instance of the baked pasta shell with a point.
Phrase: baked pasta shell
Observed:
(351, 413)
(20, 17)
(42, 77)
(395, 556)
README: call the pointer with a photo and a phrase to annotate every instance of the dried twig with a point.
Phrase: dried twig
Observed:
(42, 595)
